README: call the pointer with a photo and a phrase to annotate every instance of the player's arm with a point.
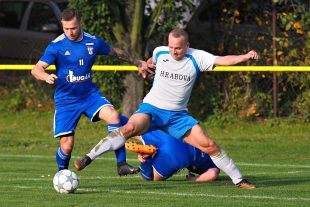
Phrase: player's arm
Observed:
(235, 59)
(143, 67)
(124, 55)
(208, 176)
(38, 71)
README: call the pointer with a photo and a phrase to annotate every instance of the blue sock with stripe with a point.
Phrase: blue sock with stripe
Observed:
(62, 159)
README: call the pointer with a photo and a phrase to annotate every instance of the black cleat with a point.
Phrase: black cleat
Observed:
(82, 162)
(125, 169)
(245, 184)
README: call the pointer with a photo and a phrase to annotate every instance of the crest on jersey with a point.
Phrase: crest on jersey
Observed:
(90, 48)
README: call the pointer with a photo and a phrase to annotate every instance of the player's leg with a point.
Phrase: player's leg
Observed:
(117, 138)
(98, 108)
(63, 152)
(115, 121)
(198, 138)
(65, 122)
(137, 124)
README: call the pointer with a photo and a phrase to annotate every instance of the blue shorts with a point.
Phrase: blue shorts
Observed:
(67, 116)
(201, 163)
(175, 123)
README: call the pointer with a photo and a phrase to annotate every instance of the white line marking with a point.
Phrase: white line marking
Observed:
(208, 195)
(135, 160)
(174, 194)
(182, 174)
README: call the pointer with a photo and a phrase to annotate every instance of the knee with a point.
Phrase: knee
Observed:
(109, 114)
(114, 115)
(128, 128)
(211, 147)
(66, 144)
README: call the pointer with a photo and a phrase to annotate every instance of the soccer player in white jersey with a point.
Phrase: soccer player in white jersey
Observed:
(74, 53)
(165, 106)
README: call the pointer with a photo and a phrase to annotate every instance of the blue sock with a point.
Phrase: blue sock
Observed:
(62, 159)
(120, 153)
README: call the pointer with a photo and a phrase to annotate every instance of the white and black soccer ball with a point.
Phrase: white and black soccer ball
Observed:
(65, 181)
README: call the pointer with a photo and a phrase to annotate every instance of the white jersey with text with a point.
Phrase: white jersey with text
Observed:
(174, 80)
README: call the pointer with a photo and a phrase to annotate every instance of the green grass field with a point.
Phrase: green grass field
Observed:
(274, 154)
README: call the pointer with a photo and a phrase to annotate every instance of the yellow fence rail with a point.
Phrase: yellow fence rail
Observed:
(217, 69)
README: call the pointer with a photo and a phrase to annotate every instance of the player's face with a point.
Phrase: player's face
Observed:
(72, 29)
(177, 46)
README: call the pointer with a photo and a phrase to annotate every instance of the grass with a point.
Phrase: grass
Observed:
(274, 154)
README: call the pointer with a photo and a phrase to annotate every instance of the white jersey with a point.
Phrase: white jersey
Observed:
(174, 80)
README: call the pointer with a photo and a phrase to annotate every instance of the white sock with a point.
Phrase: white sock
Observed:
(227, 165)
(112, 142)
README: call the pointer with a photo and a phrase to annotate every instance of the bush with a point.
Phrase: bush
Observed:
(302, 106)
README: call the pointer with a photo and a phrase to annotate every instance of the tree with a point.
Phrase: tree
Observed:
(136, 26)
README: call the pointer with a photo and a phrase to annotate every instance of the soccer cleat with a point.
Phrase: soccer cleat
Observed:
(245, 184)
(140, 148)
(82, 162)
(125, 169)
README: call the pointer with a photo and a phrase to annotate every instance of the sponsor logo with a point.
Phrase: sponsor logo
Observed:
(75, 79)
(166, 60)
(175, 76)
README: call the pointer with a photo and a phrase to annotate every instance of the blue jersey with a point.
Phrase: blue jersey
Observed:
(173, 155)
(73, 61)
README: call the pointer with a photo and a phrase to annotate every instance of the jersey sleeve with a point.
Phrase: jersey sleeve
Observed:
(103, 47)
(204, 59)
(158, 51)
(50, 54)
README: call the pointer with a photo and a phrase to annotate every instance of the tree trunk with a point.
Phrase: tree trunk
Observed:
(133, 94)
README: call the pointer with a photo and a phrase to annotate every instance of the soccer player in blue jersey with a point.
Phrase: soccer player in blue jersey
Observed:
(173, 155)
(74, 52)
(165, 106)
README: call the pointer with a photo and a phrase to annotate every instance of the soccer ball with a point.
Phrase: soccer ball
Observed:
(65, 181)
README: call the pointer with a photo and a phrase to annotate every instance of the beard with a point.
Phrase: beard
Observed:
(76, 37)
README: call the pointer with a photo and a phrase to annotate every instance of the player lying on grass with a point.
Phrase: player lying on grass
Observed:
(170, 156)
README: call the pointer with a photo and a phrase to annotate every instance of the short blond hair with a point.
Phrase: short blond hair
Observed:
(178, 32)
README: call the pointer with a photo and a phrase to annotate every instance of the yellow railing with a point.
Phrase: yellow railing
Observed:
(216, 69)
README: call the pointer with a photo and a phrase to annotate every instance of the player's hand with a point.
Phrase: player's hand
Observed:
(190, 176)
(252, 55)
(142, 157)
(50, 79)
(146, 69)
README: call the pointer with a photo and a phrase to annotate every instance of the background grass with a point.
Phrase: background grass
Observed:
(274, 154)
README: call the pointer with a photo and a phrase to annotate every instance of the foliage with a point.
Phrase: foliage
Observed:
(235, 27)
(302, 106)
(227, 27)
(97, 19)
(130, 25)
(26, 94)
